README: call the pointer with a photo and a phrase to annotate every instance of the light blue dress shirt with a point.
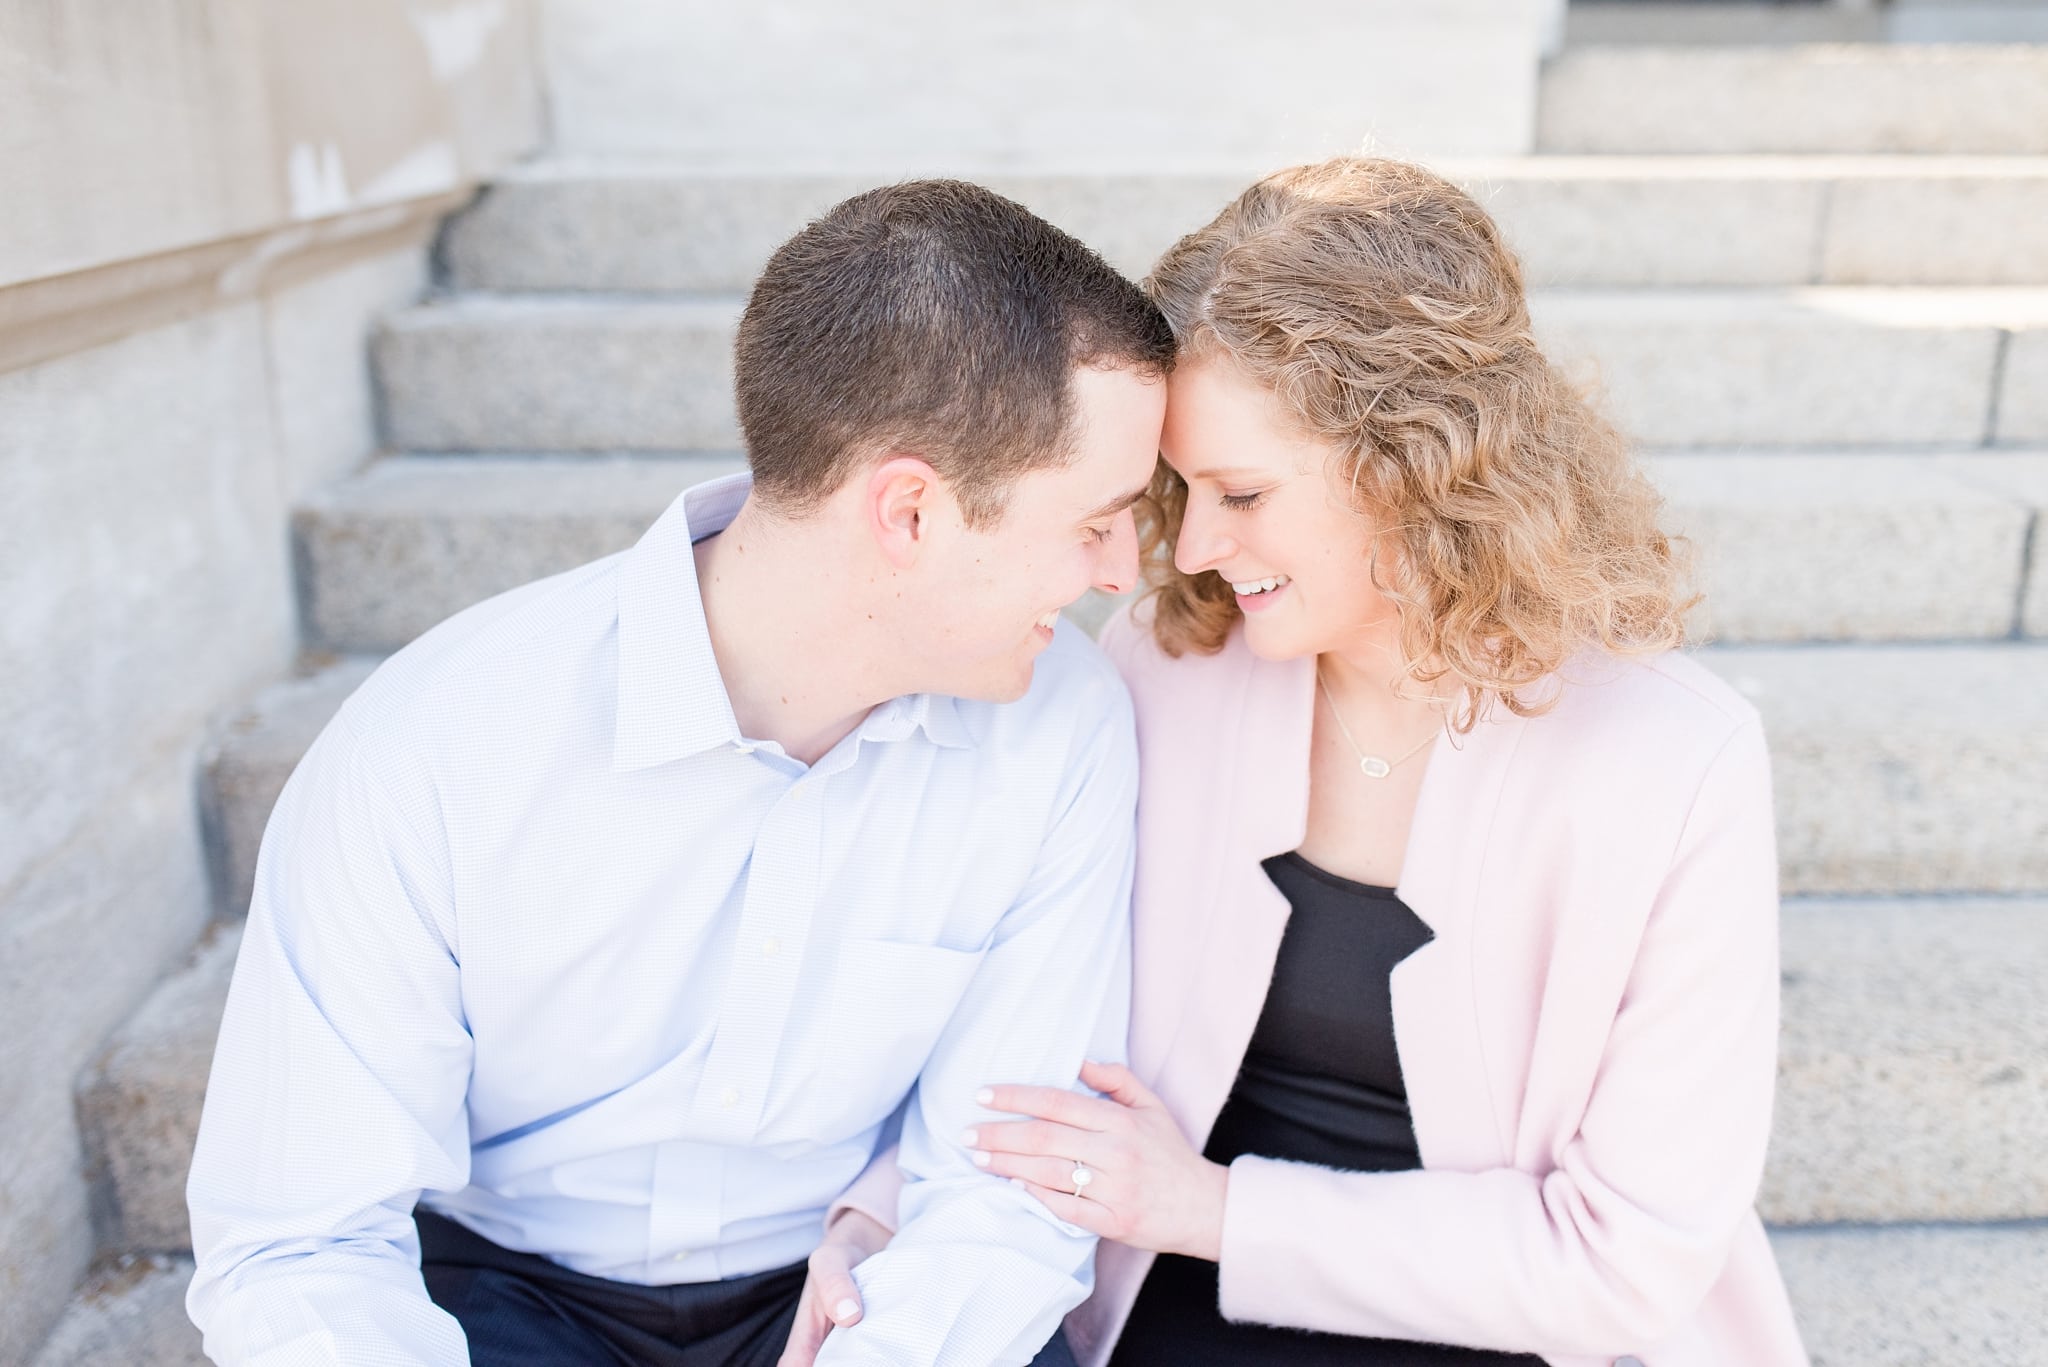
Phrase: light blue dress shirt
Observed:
(539, 938)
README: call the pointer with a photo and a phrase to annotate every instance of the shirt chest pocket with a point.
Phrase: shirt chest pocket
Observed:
(887, 1005)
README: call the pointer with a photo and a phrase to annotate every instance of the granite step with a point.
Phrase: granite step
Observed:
(1576, 220)
(2023, 477)
(129, 1313)
(1642, 23)
(2023, 388)
(1904, 768)
(1919, 98)
(1929, 1296)
(247, 758)
(1912, 1296)
(389, 552)
(1791, 546)
(1681, 368)
(541, 372)
(1913, 1074)
(1807, 547)
(1913, 1062)
(139, 1102)
(1808, 367)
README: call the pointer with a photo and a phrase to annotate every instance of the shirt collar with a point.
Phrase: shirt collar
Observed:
(943, 720)
(671, 700)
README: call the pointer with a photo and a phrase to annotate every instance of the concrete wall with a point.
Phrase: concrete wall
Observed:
(144, 128)
(896, 86)
(210, 201)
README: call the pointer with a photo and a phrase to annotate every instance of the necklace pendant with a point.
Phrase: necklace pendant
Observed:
(1372, 766)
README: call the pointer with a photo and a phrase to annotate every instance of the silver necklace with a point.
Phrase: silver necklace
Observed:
(1372, 766)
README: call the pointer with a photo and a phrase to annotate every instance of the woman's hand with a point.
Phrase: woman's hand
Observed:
(830, 1299)
(1148, 1187)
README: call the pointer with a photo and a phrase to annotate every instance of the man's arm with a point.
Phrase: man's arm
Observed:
(338, 1086)
(979, 1271)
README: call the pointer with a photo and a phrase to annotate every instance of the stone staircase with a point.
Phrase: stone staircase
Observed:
(1813, 281)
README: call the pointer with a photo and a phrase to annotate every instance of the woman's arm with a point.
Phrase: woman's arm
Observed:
(857, 1226)
(831, 1298)
(872, 1194)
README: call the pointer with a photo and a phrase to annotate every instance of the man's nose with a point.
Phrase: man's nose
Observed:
(1116, 569)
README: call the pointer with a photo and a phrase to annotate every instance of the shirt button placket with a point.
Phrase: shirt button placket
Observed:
(684, 1216)
(761, 980)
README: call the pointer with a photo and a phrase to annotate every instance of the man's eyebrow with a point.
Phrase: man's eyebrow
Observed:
(1116, 505)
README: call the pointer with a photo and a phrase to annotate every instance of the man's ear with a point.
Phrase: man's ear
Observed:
(903, 492)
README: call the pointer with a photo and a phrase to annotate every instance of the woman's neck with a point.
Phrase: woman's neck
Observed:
(1368, 683)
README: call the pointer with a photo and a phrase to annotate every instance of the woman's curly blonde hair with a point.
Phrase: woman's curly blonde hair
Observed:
(1381, 305)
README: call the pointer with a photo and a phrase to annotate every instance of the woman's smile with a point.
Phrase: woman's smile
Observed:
(1257, 595)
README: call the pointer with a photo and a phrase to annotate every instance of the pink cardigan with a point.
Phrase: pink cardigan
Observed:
(1589, 1042)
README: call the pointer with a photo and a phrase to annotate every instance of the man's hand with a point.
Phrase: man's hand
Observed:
(830, 1299)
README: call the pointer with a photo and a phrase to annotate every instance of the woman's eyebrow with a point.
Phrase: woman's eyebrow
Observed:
(1223, 472)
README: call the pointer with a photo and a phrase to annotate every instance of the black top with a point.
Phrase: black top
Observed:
(1321, 1083)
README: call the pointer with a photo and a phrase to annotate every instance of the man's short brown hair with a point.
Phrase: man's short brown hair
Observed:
(934, 317)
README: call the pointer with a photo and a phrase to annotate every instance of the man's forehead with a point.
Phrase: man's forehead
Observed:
(1081, 490)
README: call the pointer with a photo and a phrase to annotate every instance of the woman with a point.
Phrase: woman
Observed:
(1455, 918)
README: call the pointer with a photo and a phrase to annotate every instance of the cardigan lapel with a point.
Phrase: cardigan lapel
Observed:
(1436, 1010)
(1252, 784)
(1219, 803)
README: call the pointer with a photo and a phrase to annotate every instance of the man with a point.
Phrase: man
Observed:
(613, 920)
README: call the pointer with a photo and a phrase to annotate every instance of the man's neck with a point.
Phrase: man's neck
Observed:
(795, 672)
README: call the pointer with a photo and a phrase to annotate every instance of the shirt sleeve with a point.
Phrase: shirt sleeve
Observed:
(979, 1271)
(1612, 1248)
(338, 1086)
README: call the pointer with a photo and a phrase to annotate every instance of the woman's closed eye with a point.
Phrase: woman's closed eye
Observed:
(1243, 502)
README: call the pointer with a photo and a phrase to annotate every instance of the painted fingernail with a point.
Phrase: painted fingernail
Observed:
(846, 1310)
(980, 1158)
(985, 1096)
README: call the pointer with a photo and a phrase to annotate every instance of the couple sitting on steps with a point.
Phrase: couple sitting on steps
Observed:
(788, 941)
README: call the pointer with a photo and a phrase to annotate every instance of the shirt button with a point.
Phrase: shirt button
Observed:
(742, 747)
(729, 1098)
(771, 946)
(681, 1257)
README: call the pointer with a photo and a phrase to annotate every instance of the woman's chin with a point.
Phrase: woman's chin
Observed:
(1270, 640)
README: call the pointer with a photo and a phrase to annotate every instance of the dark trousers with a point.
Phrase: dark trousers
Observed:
(520, 1310)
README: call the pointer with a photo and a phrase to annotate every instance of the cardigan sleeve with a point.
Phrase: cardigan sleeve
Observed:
(1122, 637)
(873, 1193)
(1628, 1231)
